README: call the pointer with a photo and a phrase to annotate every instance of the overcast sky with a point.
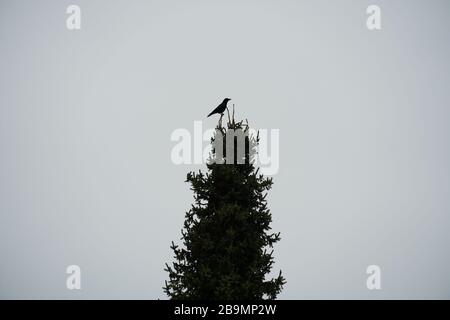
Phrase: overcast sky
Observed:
(86, 117)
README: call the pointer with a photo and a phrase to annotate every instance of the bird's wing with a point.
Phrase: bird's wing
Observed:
(214, 111)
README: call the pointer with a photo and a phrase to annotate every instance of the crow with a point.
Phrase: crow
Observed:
(221, 107)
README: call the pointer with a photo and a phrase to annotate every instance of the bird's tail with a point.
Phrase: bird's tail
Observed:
(212, 112)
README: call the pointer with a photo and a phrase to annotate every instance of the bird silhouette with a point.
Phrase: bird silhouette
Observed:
(220, 108)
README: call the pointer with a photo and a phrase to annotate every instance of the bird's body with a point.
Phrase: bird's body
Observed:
(220, 108)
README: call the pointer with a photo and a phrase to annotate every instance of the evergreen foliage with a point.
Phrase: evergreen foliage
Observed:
(227, 249)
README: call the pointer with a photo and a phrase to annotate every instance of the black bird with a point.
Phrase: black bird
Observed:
(220, 108)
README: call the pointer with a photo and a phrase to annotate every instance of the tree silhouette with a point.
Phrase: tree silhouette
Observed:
(227, 245)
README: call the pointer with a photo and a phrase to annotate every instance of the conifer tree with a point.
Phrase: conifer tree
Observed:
(227, 249)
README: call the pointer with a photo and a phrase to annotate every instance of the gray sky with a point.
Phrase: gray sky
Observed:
(86, 117)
